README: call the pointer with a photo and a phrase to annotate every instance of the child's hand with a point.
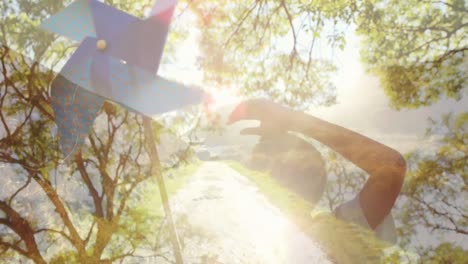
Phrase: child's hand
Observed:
(274, 118)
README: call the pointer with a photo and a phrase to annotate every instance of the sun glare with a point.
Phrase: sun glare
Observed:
(222, 97)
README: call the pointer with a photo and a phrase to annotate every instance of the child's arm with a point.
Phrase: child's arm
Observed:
(385, 166)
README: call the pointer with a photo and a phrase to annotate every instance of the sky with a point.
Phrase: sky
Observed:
(361, 104)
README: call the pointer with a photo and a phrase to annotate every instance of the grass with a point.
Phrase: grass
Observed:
(178, 177)
(342, 242)
(143, 224)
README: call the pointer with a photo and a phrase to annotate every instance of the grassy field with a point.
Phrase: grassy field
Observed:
(344, 243)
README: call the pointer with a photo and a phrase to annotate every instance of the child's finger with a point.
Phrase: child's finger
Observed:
(239, 113)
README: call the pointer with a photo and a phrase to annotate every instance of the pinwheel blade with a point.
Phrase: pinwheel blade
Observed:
(161, 95)
(151, 95)
(141, 43)
(75, 110)
(100, 78)
(172, 96)
(108, 20)
(146, 93)
(163, 9)
(78, 67)
(74, 22)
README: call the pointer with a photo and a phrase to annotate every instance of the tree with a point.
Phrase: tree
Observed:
(344, 180)
(446, 253)
(436, 183)
(89, 209)
(269, 48)
(418, 51)
(417, 48)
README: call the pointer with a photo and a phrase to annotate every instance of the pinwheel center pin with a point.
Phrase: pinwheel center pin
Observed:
(101, 44)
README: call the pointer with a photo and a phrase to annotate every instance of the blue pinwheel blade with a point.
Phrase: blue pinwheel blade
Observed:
(146, 93)
(74, 22)
(89, 68)
(108, 20)
(141, 43)
(100, 78)
(161, 95)
(78, 67)
(75, 110)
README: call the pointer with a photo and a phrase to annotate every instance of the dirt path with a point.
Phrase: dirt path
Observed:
(242, 226)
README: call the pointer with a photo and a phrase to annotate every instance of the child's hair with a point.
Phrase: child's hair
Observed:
(293, 162)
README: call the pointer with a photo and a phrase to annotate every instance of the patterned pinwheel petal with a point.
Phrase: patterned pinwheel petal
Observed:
(75, 110)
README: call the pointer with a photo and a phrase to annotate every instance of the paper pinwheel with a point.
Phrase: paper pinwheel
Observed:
(118, 59)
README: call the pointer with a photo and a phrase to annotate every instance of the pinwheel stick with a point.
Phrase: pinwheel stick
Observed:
(156, 165)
